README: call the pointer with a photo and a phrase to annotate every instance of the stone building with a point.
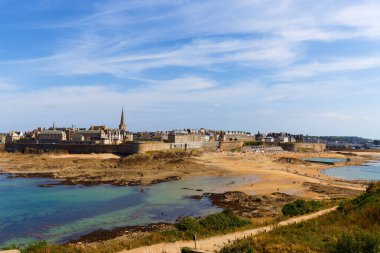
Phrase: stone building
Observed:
(238, 136)
(2, 138)
(52, 136)
(184, 136)
(13, 136)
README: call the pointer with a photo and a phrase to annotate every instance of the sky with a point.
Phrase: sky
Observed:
(307, 67)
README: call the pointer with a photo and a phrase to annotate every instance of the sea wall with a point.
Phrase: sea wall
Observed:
(304, 147)
(231, 145)
(127, 148)
(142, 147)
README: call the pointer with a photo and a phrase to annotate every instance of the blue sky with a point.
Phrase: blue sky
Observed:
(308, 67)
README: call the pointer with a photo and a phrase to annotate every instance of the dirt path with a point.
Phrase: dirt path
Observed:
(216, 243)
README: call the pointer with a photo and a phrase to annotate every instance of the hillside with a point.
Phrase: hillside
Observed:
(354, 227)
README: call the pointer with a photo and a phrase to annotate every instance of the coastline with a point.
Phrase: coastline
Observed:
(274, 175)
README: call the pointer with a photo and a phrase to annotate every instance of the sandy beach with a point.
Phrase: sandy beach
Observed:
(278, 176)
(274, 171)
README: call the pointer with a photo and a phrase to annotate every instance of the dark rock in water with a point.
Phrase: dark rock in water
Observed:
(196, 197)
(102, 234)
(250, 206)
(167, 179)
(46, 185)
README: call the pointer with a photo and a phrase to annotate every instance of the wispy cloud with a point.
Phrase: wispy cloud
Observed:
(331, 66)
(237, 59)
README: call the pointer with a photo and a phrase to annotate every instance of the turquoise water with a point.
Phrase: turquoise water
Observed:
(369, 171)
(61, 213)
(326, 160)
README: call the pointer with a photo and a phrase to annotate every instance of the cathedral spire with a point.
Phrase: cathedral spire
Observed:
(122, 125)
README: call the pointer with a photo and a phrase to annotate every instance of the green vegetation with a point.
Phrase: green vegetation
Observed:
(300, 207)
(252, 143)
(188, 250)
(208, 225)
(186, 228)
(354, 227)
(349, 139)
(239, 246)
(357, 242)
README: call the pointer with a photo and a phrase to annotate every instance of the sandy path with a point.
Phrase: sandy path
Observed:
(216, 243)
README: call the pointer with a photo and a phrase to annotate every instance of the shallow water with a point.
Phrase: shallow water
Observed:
(61, 213)
(369, 171)
(326, 160)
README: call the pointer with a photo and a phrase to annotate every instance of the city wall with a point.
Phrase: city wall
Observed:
(231, 145)
(73, 148)
(127, 148)
(304, 147)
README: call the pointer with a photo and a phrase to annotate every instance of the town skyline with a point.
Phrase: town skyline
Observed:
(249, 65)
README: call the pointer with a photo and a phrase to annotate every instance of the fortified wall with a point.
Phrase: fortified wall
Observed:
(126, 149)
(304, 147)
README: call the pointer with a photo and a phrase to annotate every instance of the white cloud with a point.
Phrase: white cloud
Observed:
(331, 66)
(334, 116)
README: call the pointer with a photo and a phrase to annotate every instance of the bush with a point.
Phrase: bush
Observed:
(358, 243)
(210, 223)
(239, 246)
(35, 247)
(222, 221)
(300, 206)
(252, 143)
(188, 250)
(188, 224)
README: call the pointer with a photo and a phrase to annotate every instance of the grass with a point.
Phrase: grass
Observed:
(211, 225)
(301, 206)
(354, 227)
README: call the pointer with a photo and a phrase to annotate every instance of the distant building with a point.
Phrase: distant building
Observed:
(89, 135)
(184, 136)
(238, 136)
(122, 125)
(269, 139)
(52, 136)
(283, 138)
(13, 136)
(3, 137)
(259, 136)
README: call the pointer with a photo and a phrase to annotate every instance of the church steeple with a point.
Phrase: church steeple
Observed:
(122, 125)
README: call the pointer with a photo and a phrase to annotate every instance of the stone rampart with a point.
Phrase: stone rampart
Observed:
(304, 147)
(127, 149)
(231, 145)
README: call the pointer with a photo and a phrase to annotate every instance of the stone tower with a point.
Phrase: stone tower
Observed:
(122, 125)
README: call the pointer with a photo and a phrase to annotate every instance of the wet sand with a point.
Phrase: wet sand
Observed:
(275, 176)
(273, 172)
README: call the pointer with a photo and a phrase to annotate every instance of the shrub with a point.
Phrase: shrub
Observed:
(252, 143)
(188, 224)
(300, 206)
(239, 246)
(188, 250)
(357, 243)
(221, 221)
(35, 247)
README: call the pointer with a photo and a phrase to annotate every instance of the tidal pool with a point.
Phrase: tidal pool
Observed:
(326, 160)
(62, 213)
(368, 171)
